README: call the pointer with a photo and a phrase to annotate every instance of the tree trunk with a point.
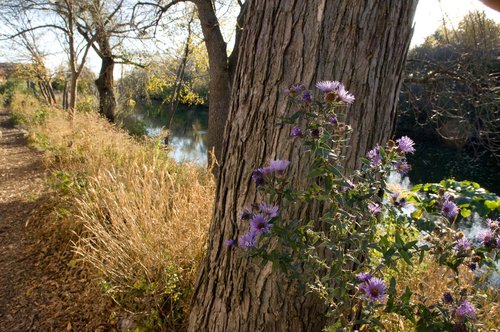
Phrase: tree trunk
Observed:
(361, 43)
(73, 91)
(51, 93)
(65, 96)
(220, 83)
(104, 84)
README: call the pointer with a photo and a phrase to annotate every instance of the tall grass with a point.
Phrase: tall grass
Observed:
(141, 218)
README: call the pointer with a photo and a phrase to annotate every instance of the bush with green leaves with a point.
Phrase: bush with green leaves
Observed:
(361, 231)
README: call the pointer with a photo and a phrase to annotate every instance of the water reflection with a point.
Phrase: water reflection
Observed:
(188, 132)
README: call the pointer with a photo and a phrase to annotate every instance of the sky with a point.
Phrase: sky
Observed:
(430, 13)
(428, 17)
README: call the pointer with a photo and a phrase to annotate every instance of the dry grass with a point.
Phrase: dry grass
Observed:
(429, 281)
(143, 218)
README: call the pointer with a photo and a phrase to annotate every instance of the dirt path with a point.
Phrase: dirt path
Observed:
(40, 290)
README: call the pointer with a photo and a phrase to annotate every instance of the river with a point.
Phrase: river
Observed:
(432, 161)
(188, 131)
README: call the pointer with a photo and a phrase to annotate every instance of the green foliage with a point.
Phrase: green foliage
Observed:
(10, 87)
(66, 182)
(157, 81)
(20, 101)
(87, 103)
(468, 195)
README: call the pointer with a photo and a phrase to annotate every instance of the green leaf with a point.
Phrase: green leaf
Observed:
(492, 205)
(405, 298)
(465, 212)
(315, 172)
(406, 256)
(417, 214)
(421, 258)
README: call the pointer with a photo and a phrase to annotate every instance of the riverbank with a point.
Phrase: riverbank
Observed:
(138, 219)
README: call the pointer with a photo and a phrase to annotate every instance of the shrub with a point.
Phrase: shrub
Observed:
(364, 235)
(87, 103)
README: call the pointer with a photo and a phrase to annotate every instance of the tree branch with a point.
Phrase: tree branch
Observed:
(22, 32)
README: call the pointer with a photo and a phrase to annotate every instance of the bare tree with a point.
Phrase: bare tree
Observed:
(23, 33)
(105, 24)
(77, 56)
(58, 17)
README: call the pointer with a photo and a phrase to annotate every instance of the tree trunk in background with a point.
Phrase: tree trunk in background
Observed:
(73, 91)
(361, 43)
(65, 95)
(220, 83)
(47, 91)
(52, 95)
(104, 84)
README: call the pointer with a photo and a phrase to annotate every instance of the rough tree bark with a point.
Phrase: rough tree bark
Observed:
(361, 43)
(104, 84)
(220, 82)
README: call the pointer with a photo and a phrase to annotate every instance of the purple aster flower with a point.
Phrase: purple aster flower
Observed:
(259, 224)
(349, 186)
(465, 310)
(485, 237)
(375, 289)
(374, 208)
(462, 244)
(258, 176)
(248, 240)
(374, 156)
(492, 224)
(230, 242)
(278, 165)
(294, 89)
(498, 241)
(447, 298)
(401, 203)
(363, 276)
(449, 209)
(328, 86)
(405, 144)
(297, 87)
(270, 211)
(344, 96)
(306, 96)
(296, 132)
(402, 167)
(333, 120)
(335, 92)
(398, 202)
